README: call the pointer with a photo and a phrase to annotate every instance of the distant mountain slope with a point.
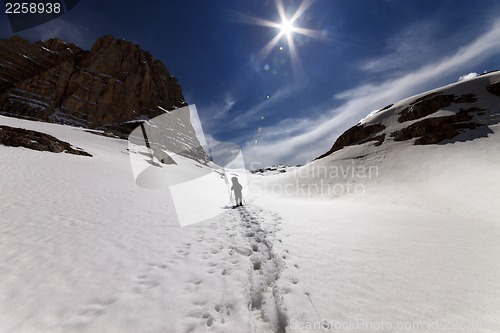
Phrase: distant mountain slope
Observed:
(437, 150)
(461, 111)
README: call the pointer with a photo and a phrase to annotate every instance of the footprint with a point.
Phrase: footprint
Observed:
(96, 307)
(91, 312)
(148, 284)
(193, 314)
(326, 325)
(197, 282)
(144, 284)
(158, 265)
(199, 302)
(182, 252)
(223, 309)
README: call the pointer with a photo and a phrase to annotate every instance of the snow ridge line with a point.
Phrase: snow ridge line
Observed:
(266, 299)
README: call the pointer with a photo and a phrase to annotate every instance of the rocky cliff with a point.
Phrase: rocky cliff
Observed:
(108, 87)
(113, 87)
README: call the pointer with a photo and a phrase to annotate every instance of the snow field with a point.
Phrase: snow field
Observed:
(84, 249)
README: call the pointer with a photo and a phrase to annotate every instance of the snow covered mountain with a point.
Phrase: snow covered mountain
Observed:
(433, 117)
(382, 234)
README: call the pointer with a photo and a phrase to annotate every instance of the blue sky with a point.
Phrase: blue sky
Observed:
(289, 107)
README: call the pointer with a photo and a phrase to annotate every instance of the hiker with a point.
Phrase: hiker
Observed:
(237, 188)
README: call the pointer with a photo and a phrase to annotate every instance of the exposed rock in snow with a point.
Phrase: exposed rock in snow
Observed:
(20, 137)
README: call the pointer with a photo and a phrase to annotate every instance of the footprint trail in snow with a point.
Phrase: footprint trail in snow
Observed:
(240, 253)
(222, 275)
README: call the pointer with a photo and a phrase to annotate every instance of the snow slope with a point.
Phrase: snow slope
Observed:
(413, 248)
(410, 249)
(84, 249)
(397, 233)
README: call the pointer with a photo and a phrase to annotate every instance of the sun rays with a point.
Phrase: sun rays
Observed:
(287, 29)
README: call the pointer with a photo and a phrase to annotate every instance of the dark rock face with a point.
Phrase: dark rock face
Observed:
(19, 137)
(104, 88)
(437, 129)
(387, 107)
(494, 88)
(430, 104)
(358, 134)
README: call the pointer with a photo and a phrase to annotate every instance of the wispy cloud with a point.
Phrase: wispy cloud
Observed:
(228, 104)
(61, 28)
(217, 111)
(299, 140)
(406, 49)
(474, 52)
(243, 119)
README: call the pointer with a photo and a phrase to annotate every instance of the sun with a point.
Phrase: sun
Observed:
(286, 27)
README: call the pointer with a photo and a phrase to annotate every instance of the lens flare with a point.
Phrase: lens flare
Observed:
(287, 28)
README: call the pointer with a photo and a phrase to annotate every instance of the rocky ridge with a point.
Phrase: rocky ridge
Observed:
(462, 111)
